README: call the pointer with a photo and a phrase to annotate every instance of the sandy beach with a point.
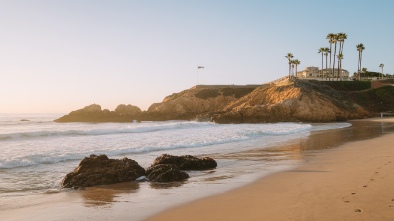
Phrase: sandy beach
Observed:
(351, 182)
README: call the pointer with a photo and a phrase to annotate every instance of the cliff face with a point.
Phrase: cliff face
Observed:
(197, 101)
(291, 101)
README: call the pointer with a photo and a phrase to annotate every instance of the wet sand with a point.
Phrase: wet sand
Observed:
(352, 182)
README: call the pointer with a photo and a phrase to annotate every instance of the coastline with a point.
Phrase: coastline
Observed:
(351, 182)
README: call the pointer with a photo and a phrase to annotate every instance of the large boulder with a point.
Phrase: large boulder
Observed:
(100, 170)
(165, 173)
(186, 162)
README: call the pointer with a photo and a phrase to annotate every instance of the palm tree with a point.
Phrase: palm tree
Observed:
(296, 62)
(335, 41)
(289, 56)
(381, 66)
(341, 39)
(292, 68)
(321, 50)
(340, 57)
(330, 38)
(326, 52)
(360, 48)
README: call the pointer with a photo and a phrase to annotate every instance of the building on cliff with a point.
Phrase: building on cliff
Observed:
(316, 74)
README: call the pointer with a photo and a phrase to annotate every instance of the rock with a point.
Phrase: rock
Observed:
(165, 173)
(200, 100)
(92, 108)
(94, 114)
(186, 162)
(122, 109)
(100, 170)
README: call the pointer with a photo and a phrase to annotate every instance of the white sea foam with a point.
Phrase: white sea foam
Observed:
(54, 143)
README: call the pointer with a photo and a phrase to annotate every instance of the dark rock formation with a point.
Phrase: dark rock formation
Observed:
(165, 173)
(186, 162)
(99, 170)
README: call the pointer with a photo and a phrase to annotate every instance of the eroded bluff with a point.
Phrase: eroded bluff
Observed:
(198, 102)
(291, 101)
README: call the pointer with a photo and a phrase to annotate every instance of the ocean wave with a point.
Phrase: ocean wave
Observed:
(195, 135)
(105, 130)
(53, 158)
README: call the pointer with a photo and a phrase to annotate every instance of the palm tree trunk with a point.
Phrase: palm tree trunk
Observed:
(361, 59)
(339, 60)
(333, 66)
(330, 53)
(358, 68)
(326, 66)
(322, 64)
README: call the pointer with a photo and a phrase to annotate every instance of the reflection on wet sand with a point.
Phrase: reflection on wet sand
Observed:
(169, 185)
(318, 140)
(106, 195)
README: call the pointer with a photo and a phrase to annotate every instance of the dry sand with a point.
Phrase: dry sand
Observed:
(352, 182)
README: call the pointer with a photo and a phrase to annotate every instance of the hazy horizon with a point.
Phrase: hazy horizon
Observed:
(59, 56)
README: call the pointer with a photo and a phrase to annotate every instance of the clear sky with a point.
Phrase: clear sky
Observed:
(59, 56)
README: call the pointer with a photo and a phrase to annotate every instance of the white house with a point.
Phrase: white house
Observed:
(315, 73)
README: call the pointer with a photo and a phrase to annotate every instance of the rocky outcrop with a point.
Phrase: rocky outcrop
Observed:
(165, 173)
(129, 109)
(100, 170)
(186, 162)
(93, 113)
(292, 101)
(200, 100)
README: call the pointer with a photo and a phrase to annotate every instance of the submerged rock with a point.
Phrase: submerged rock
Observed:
(186, 162)
(165, 173)
(100, 170)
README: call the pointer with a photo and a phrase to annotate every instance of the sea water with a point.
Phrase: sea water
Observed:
(36, 153)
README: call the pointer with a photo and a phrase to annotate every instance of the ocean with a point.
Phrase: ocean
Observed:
(36, 153)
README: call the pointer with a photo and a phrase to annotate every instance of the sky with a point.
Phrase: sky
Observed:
(59, 56)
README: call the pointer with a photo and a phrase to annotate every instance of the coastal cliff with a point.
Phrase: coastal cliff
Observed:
(282, 101)
(292, 101)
